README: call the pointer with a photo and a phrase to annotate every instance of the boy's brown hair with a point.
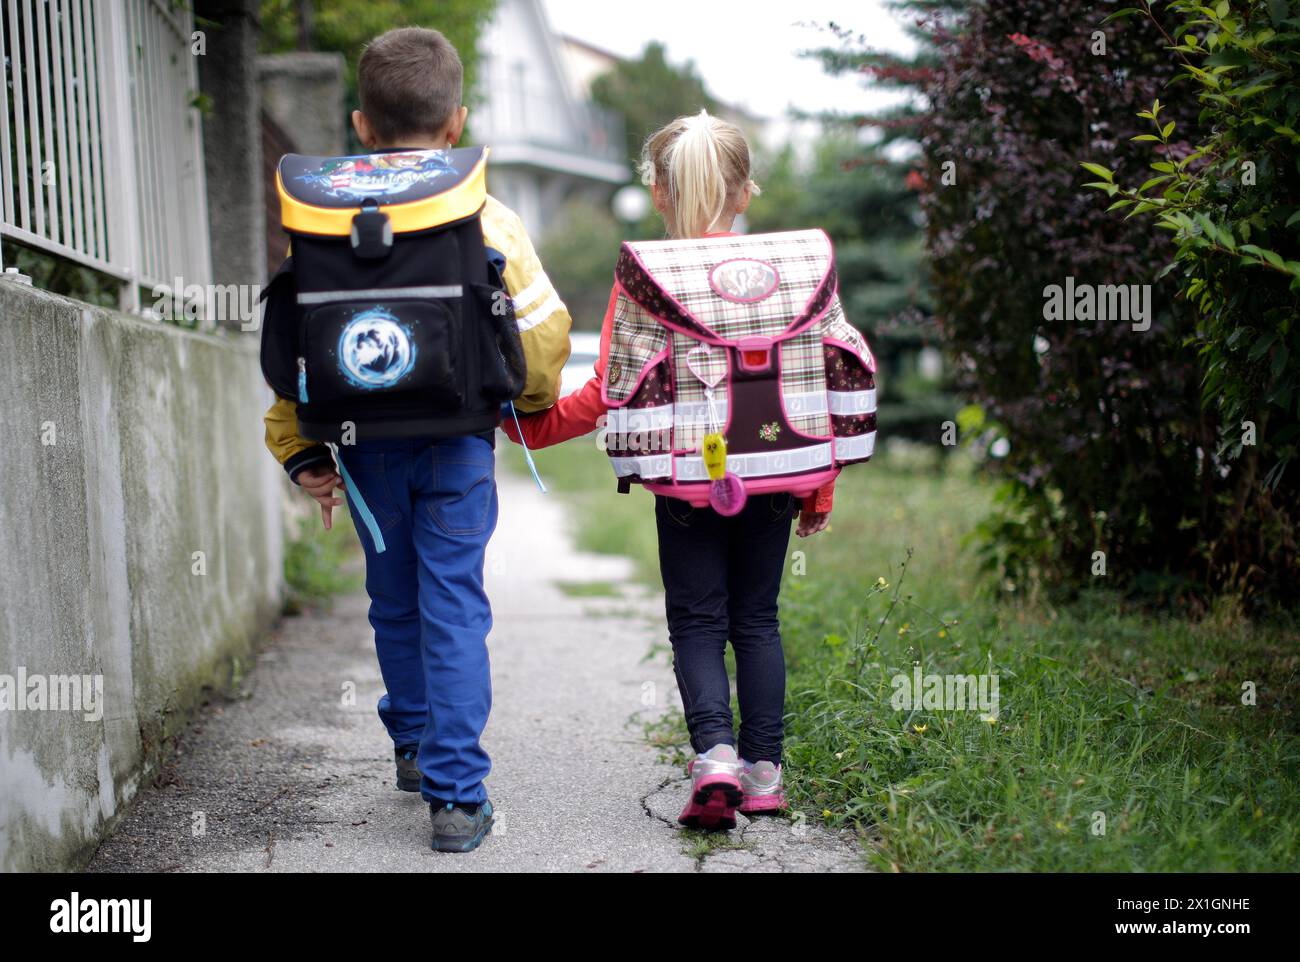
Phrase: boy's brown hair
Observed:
(410, 82)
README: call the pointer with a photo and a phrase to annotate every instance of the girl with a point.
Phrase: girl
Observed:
(721, 575)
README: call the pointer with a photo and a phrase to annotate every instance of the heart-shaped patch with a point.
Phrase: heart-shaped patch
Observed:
(709, 364)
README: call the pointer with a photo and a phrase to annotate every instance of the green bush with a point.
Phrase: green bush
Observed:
(579, 252)
(1112, 457)
(1227, 188)
(1102, 421)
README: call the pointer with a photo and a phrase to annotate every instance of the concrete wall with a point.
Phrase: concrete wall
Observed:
(157, 454)
(304, 93)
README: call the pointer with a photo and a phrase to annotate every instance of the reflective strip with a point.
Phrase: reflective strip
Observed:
(645, 465)
(633, 420)
(856, 447)
(804, 402)
(537, 315)
(381, 294)
(760, 464)
(541, 283)
(691, 413)
(852, 402)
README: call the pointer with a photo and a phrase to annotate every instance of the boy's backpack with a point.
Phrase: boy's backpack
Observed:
(402, 326)
(740, 337)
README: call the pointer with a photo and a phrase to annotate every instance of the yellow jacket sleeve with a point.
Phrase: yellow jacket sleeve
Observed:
(543, 319)
(292, 451)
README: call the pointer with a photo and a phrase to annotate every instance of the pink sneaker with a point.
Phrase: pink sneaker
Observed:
(715, 790)
(762, 786)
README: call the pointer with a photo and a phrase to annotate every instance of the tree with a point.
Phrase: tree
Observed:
(580, 255)
(1112, 456)
(648, 93)
(860, 197)
(346, 26)
(580, 249)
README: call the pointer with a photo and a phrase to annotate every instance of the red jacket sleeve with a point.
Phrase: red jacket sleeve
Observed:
(822, 499)
(579, 413)
(576, 414)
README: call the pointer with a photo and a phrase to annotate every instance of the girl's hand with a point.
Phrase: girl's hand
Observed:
(810, 522)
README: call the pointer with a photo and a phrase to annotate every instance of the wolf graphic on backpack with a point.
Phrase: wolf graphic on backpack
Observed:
(733, 371)
(401, 324)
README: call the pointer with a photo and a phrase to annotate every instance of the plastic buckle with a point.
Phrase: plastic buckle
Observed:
(372, 232)
(755, 354)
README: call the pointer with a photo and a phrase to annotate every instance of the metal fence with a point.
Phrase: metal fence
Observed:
(101, 158)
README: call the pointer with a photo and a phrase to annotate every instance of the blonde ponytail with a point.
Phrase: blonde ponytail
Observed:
(703, 161)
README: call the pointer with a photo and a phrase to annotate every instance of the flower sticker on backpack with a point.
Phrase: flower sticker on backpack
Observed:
(769, 431)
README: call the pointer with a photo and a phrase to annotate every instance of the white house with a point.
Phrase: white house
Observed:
(548, 142)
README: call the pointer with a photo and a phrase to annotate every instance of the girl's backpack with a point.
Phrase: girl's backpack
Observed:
(402, 326)
(732, 369)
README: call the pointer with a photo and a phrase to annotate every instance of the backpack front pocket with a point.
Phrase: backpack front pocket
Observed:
(354, 349)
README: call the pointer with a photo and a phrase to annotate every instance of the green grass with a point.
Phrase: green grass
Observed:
(588, 589)
(1104, 713)
(320, 564)
(611, 523)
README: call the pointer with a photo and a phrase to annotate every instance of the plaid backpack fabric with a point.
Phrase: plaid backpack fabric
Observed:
(742, 336)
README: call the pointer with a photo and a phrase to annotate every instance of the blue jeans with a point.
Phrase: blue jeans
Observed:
(721, 581)
(435, 503)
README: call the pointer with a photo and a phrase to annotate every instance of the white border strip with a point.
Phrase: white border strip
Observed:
(645, 465)
(804, 403)
(760, 464)
(856, 447)
(852, 402)
(638, 420)
(381, 294)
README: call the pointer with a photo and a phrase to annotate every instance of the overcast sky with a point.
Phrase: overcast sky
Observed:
(746, 50)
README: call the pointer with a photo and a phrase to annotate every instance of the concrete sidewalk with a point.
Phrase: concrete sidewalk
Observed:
(296, 776)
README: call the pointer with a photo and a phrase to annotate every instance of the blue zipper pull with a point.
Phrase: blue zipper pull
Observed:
(367, 516)
(302, 380)
(528, 455)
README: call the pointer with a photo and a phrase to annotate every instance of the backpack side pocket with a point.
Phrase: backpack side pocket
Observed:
(279, 334)
(501, 353)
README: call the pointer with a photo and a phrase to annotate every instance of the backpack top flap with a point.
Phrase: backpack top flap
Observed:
(722, 289)
(418, 189)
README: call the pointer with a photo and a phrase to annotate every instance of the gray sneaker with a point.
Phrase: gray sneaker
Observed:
(455, 830)
(763, 790)
(408, 768)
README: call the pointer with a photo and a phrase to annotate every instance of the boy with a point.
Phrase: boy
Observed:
(434, 500)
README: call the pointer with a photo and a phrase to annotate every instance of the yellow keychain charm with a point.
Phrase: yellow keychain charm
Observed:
(715, 455)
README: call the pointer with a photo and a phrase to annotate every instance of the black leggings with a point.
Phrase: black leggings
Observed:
(721, 581)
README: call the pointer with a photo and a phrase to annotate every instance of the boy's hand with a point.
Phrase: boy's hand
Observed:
(810, 522)
(320, 483)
